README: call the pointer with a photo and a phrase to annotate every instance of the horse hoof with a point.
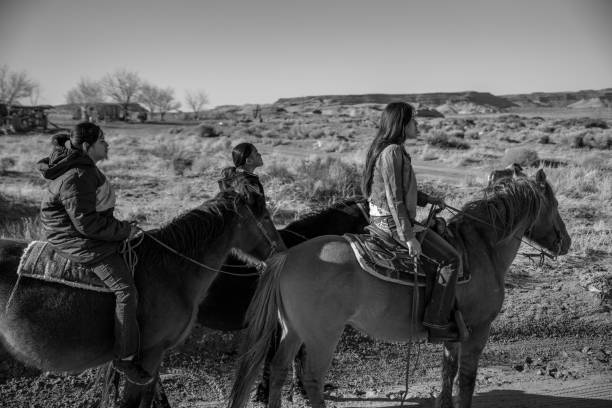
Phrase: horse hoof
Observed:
(261, 395)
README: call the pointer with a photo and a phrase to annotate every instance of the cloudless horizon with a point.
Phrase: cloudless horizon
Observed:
(259, 51)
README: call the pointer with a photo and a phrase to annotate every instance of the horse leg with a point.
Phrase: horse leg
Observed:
(318, 359)
(139, 396)
(468, 364)
(298, 369)
(450, 360)
(263, 388)
(161, 400)
(279, 366)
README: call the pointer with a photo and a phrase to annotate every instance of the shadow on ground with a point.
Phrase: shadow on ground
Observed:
(593, 396)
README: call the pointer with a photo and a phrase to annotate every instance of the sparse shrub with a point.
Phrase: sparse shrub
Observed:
(596, 123)
(472, 135)
(328, 179)
(508, 139)
(270, 133)
(548, 129)
(544, 139)
(598, 140)
(206, 131)
(316, 133)
(181, 164)
(577, 140)
(520, 155)
(6, 163)
(443, 140)
(277, 171)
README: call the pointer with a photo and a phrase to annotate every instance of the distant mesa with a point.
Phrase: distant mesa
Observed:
(574, 100)
(591, 103)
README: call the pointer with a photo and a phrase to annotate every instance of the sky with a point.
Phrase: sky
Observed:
(256, 51)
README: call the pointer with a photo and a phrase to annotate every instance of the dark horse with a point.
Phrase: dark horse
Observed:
(59, 328)
(317, 287)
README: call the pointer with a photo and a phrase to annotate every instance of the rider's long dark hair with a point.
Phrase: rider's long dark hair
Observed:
(241, 152)
(393, 122)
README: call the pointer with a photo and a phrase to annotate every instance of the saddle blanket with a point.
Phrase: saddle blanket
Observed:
(386, 259)
(41, 261)
(383, 257)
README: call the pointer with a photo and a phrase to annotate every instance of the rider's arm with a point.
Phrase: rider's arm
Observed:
(78, 195)
(392, 173)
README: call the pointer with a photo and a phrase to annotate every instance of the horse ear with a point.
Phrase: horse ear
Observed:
(517, 170)
(540, 176)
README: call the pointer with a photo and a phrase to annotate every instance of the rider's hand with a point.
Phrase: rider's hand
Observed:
(414, 247)
(135, 232)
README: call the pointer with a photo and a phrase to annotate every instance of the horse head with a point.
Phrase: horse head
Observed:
(255, 232)
(548, 229)
(512, 171)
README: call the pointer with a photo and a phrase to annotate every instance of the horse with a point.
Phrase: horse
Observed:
(64, 329)
(229, 296)
(316, 288)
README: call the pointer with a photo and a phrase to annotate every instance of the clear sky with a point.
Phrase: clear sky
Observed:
(256, 51)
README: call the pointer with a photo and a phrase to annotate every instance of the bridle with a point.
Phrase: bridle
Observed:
(132, 259)
(541, 253)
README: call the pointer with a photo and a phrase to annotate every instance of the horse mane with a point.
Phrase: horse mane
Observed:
(505, 204)
(192, 230)
(324, 211)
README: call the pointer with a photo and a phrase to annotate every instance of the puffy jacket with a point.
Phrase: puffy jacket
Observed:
(77, 207)
(394, 190)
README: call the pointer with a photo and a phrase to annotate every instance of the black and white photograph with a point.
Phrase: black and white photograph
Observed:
(316, 203)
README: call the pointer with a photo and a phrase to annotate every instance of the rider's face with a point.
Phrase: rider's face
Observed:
(411, 130)
(99, 150)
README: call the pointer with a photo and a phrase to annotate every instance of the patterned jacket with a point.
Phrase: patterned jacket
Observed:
(77, 207)
(394, 190)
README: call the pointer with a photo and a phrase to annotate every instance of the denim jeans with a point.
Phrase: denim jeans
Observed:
(114, 272)
(438, 310)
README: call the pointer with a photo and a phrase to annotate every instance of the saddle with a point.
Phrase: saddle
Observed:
(379, 254)
(382, 256)
(41, 261)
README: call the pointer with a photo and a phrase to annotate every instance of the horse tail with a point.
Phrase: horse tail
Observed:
(262, 322)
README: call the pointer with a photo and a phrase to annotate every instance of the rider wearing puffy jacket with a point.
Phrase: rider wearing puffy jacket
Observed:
(77, 217)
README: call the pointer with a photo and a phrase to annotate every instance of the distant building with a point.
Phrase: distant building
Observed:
(104, 111)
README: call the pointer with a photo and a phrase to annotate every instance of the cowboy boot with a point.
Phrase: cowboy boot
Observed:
(438, 313)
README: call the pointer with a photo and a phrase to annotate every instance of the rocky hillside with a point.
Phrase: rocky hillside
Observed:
(468, 102)
(450, 102)
(581, 99)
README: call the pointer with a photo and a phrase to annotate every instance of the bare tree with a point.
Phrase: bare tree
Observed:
(166, 102)
(122, 86)
(196, 101)
(85, 92)
(15, 85)
(149, 95)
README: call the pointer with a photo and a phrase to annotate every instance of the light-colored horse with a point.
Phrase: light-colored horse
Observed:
(317, 287)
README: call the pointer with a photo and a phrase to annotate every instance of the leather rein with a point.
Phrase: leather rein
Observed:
(132, 259)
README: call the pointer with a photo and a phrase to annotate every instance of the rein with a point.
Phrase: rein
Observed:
(542, 253)
(132, 259)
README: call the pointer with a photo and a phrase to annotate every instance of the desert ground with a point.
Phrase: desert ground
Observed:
(551, 346)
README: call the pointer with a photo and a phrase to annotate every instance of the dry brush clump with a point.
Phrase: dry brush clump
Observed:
(443, 140)
(520, 155)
